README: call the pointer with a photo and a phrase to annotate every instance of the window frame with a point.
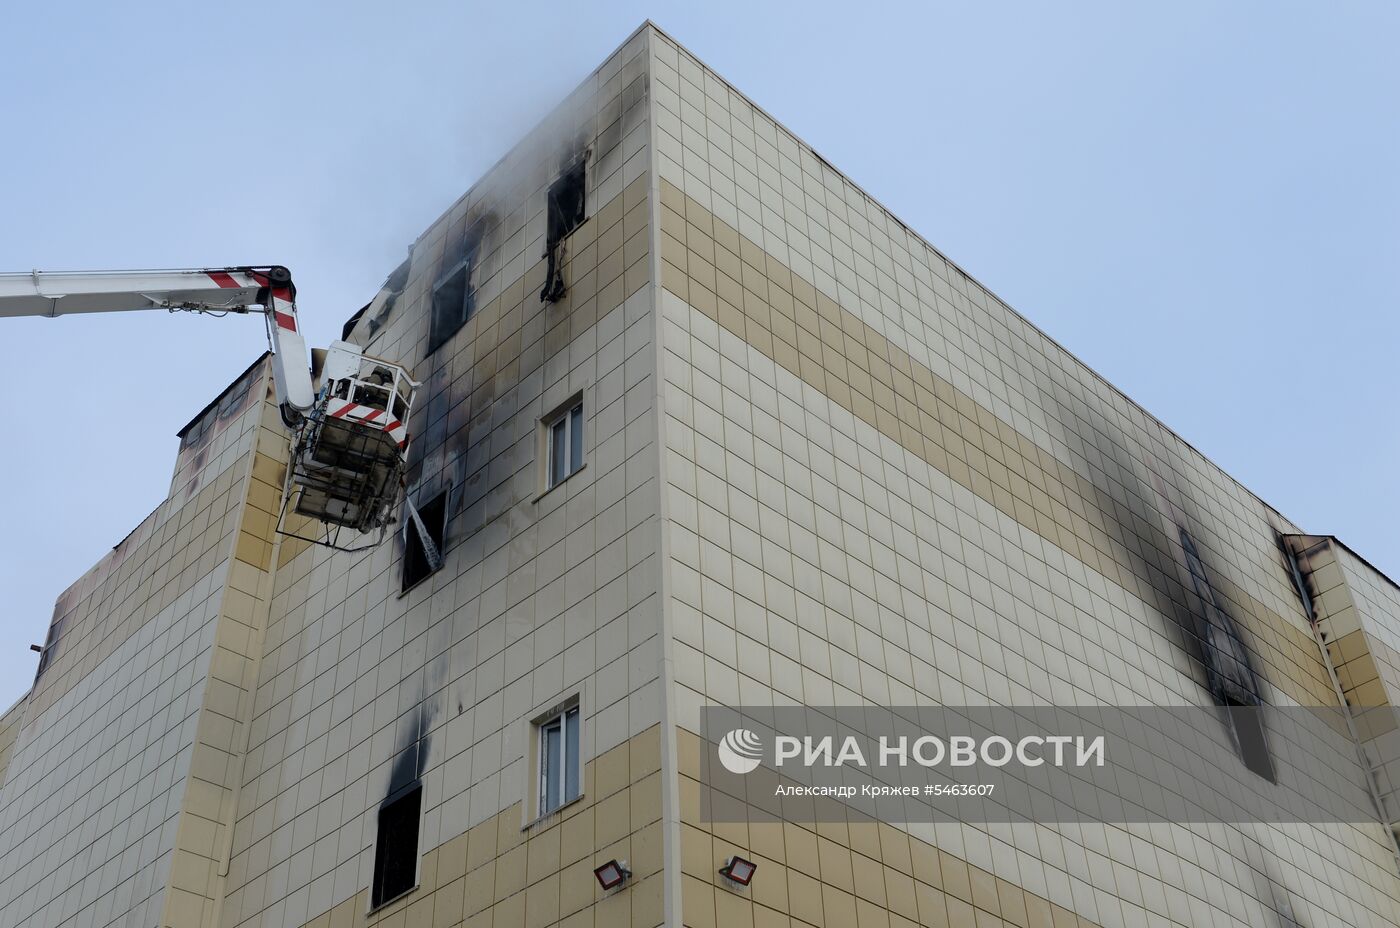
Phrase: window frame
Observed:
(50, 649)
(572, 182)
(573, 420)
(411, 537)
(567, 719)
(569, 189)
(1230, 676)
(465, 240)
(1247, 730)
(441, 334)
(377, 897)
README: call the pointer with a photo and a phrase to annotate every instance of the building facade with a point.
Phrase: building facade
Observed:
(701, 424)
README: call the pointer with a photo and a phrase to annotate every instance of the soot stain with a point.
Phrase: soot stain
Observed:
(414, 744)
(1160, 559)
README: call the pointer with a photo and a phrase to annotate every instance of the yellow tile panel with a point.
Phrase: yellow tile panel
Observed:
(837, 353)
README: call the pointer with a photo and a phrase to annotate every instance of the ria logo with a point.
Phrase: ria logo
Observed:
(740, 751)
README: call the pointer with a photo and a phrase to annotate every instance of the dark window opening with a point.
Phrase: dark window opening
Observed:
(50, 649)
(565, 213)
(422, 557)
(454, 297)
(396, 847)
(1248, 724)
(453, 304)
(1230, 674)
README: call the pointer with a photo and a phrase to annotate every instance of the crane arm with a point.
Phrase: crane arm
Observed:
(212, 290)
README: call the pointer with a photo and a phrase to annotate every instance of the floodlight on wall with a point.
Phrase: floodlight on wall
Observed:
(738, 870)
(612, 874)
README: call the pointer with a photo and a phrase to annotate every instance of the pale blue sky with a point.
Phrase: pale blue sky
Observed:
(1198, 199)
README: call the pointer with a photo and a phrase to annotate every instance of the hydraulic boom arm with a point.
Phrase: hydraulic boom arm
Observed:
(349, 441)
(211, 290)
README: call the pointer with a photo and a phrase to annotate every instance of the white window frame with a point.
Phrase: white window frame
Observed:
(574, 433)
(561, 721)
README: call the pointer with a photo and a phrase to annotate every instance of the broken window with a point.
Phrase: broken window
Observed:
(396, 847)
(565, 213)
(1247, 722)
(390, 292)
(1229, 672)
(564, 437)
(454, 297)
(425, 529)
(50, 649)
(194, 433)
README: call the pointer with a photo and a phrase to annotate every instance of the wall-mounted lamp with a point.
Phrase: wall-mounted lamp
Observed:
(738, 870)
(37, 647)
(612, 874)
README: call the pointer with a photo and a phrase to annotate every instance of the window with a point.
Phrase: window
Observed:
(1230, 675)
(565, 445)
(453, 304)
(194, 432)
(454, 298)
(1247, 721)
(564, 213)
(566, 203)
(559, 760)
(423, 552)
(50, 648)
(396, 848)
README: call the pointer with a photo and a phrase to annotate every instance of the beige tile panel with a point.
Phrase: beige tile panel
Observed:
(732, 280)
(265, 497)
(836, 875)
(183, 547)
(497, 874)
(257, 531)
(216, 760)
(1356, 669)
(165, 556)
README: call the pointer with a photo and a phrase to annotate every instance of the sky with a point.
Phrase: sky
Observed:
(1198, 199)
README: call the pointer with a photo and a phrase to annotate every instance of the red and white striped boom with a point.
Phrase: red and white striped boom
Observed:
(211, 290)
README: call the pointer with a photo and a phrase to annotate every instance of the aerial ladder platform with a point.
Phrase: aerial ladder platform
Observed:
(348, 435)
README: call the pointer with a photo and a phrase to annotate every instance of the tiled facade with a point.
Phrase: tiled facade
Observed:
(822, 465)
(115, 789)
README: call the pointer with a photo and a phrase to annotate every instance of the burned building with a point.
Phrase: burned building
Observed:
(702, 423)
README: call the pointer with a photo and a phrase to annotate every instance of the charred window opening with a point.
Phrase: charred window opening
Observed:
(565, 213)
(229, 404)
(1247, 722)
(1228, 667)
(425, 529)
(194, 435)
(50, 649)
(454, 297)
(1229, 672)
(396, 847)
